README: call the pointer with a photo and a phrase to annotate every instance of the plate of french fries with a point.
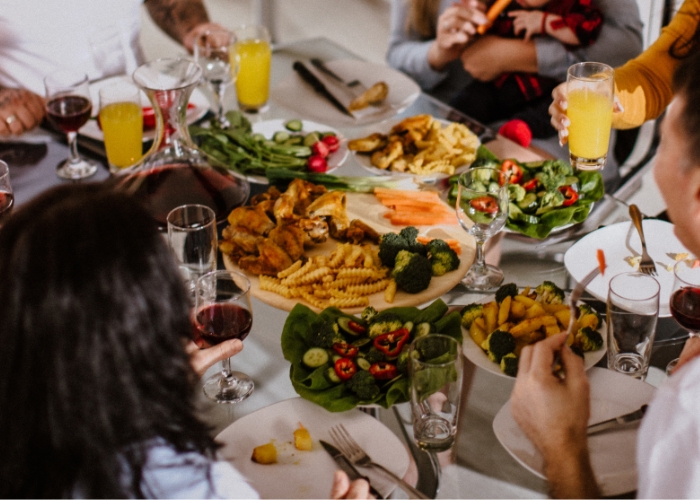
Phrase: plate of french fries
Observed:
(531, 315)
(420, 145)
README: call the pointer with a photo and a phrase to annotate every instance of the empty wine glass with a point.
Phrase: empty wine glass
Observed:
(214, 51)
(685, 301)
(222, 312)
(68, 107)
(482, 210)
(7, 198)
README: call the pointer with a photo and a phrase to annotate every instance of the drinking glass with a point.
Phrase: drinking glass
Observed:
(121, 120)
(68, 107)
(632, 313)
(255, 55)
(7, 198)
(222, 312)
(192, 237)
(435, 378)
(590, 94)
(482, 210)
(214, 51)
(685, 301)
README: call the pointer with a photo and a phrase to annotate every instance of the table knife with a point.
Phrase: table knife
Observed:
(346, 465)
(617, 421)
(319, 87)
(355, 87)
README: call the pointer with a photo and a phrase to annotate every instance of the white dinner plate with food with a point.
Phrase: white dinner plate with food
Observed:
(476, 354)
(307, 474)
(269, 128)
(197, 107)
(621, 245)
(613, 453)
(298, 96)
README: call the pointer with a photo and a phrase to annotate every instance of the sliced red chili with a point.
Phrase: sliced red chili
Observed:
(530, 185)
(345, 368)
(356, 327)
(512, 170)
(485, 204)
(391, 343)
(570, 195)
(383, 370)
(346, 350)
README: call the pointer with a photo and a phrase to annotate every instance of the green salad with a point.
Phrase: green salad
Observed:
(340, 361)
(543, 195)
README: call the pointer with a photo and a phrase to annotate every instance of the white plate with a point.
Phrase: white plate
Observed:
(476, 354)
(307, 474)
(613, 453)
(298, 96)
(269, 127)
(620, 241)
(90, 129)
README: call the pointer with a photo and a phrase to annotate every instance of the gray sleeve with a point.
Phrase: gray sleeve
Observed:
(619, 41)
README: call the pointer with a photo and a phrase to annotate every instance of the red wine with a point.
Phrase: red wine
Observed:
(166, 187)
(7, 200)
(685, 307)
(69, 112)
(219, 322)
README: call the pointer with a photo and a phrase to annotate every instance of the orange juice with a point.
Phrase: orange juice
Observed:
(590, 114)
(122, 125)
(253, 81)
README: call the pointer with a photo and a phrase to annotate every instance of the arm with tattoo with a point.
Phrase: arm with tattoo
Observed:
(182, 20)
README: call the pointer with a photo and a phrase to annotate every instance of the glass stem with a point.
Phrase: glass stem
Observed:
(219, 91)
(479, 266)
(226, 367)
(73, 145)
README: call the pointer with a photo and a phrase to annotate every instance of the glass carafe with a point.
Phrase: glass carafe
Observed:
(174, 172)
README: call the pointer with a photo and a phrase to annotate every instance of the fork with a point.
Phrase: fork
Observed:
(646, 265)
(322, 66)
(346, 444)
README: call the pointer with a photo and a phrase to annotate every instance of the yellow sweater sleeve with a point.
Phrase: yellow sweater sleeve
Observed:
(643, 85)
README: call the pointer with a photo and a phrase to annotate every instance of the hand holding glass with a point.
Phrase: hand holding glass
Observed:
(685, 300)
(255, 56)
(214, 51)
(482, 210)
(121, 120)
(223, 312)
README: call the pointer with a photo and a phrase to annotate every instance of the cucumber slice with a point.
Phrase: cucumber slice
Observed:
(311, 139)
(423, 329)
(408, 325)
(332, 376)
(363, 364)
(258, 137)
(294, 125)
(315, 357)
(344, 324)
(280, 137)
(362, 341)
(335, 357)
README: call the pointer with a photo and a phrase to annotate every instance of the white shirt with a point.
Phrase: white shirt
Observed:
(668, 448)
(97, 37)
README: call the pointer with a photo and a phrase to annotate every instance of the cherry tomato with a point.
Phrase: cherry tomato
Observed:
(346, 350)
(345, 368)
(332, 142)
(485, 204)
(512, 170)
(383, 370)
(570, 195)
(530, 185)
(317, 163)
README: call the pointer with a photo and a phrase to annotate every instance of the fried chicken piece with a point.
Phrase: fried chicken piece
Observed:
(373, 95)
(368, 144)
(367, 231)
(295, 200)
(271, 194)
(271, 259)
(315, 230)
(254, 219)
(289, 238)
(383, 158)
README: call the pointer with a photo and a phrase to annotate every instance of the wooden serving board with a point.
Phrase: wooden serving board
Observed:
(370, 210)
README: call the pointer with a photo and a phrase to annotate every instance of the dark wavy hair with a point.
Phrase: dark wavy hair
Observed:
(93, 321)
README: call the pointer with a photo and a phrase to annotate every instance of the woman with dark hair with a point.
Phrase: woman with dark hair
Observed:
(96, 384)
(554, 413)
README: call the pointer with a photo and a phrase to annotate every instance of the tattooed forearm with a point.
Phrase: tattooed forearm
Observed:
(177, 17)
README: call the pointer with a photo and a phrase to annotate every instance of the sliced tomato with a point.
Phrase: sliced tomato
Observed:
(485, 204)
(530, 185)
(570, 195)
(512, 170)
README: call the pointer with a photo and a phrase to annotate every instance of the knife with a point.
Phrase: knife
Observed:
(318, 86)
(617, 421)
(346, 465)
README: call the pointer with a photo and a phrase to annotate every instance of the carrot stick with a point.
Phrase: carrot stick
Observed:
(493, 12)
(396, 193)
(601, 261)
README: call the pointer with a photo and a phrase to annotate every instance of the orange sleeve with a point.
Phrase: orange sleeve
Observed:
(643, 85)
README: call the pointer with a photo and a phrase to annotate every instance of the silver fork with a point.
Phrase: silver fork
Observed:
(646, 265)
(345, 442)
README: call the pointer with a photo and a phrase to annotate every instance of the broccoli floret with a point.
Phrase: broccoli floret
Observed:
(410, 234)
(436, 245)
(549, 293)
(325, 336)
(402, 362)
(363, 385)
(444, 261)
(577, 350)
(384, 323)
(509, 364)
(368, 313)
(509, 289)
(374, 355)
(470, 312)
(589, 339)
(390, 244)
(412, 271)
(434, 349)
(498, 344)
(550, 200)
(516, 192)
(584, 309)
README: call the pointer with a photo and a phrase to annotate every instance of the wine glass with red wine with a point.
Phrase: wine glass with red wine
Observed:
(68, 107)
(222, 312)
(7, 199)
(685, 300)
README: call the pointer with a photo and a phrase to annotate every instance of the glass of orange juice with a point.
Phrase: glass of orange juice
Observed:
(254, 55)
(590, 94)
(121, 120)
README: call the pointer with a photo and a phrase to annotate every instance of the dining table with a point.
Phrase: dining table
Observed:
(477, 466)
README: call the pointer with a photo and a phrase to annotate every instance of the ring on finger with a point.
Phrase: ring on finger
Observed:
(10, 120)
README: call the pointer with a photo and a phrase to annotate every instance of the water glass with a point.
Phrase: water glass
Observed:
(254, 56)
(632, 313)
(435, 377)
(192, 236)
(214, 51)
(121, 120)
(590, 94)
(7, 198)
